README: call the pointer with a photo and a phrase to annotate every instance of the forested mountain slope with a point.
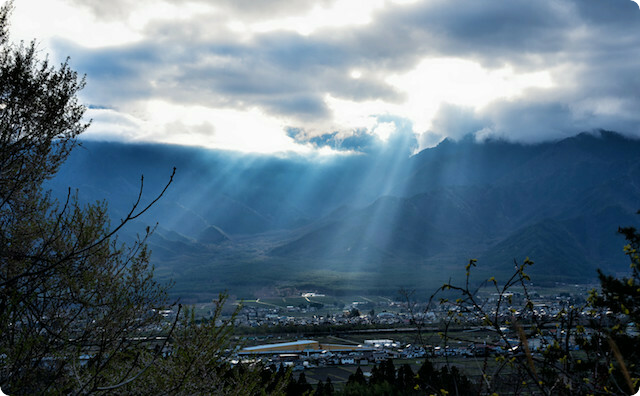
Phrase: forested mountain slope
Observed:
(246, 222)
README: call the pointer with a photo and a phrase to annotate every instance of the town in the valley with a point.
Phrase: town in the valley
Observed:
(330, 337)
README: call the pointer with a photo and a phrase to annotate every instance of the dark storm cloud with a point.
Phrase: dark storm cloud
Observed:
(590, 48)
(114, 75)
(284, 73)
(491, 32)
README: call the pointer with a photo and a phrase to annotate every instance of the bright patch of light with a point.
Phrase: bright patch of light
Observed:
(461, 82)
(384, 130)
(250, 130)
(237, 26)
(349, 115)
(432, 83)
(57, 18)
(36, 19)
(110, 124)
(342, 13)
(355, 74)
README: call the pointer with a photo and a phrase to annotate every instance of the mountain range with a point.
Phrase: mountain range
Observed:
(370, 223)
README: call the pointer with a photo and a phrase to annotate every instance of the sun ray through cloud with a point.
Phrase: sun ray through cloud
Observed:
(330, 66)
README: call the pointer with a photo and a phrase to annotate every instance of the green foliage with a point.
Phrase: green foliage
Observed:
(357, 377)
(79, 312)
(386, 380)
(618, 321)
(299, 387)
(605, 330)
(196, 361)
(384, 372)
(70, 294)
(325, 389)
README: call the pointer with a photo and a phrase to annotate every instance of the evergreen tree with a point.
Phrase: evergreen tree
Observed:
(328, 387)
(357, 384)
(303, 385)
(384, 372)
(617, 334)
(389, 371)
(357, 377)
(406, 380)
(320, 389)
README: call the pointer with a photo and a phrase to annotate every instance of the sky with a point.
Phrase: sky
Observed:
(326, 76)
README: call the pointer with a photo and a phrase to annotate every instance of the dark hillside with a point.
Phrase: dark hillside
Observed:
(293, 220)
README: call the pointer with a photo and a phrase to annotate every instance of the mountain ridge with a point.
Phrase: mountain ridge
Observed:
(283, 219)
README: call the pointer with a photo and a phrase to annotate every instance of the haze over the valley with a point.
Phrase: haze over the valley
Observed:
(362, 146)
(255, 224)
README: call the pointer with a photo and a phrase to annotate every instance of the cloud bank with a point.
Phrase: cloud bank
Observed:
(244, 75)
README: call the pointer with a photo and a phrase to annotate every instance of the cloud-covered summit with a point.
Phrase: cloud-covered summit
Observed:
(253, 72)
